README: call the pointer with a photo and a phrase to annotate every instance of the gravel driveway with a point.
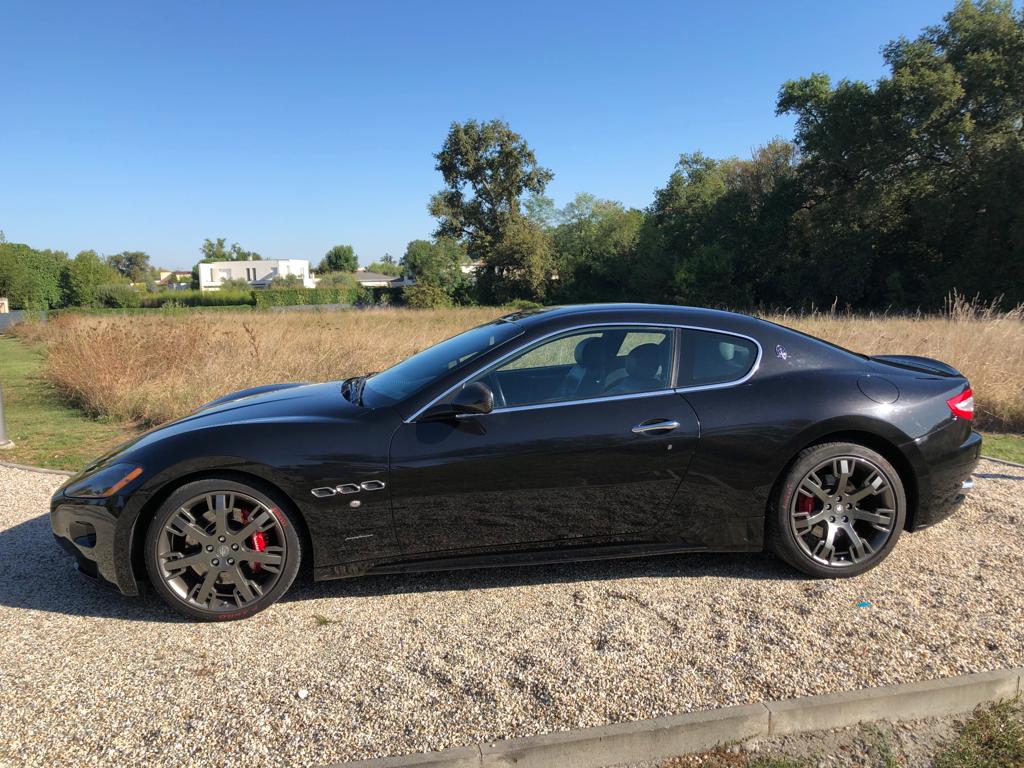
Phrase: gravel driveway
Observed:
(387, 665)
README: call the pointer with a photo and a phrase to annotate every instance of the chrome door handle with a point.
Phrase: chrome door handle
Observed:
(655, 426)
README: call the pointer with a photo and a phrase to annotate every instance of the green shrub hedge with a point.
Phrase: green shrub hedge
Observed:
(287, 297)
(194, 298)
(118, 296)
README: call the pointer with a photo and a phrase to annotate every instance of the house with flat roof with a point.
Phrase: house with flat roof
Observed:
(377, 280)
(257, 274)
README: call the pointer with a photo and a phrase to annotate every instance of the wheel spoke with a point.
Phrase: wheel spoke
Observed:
(271, 556)
(204, 592)
(826, 548)
(245, 590)
(176, 562)
(875, 485)
(879, 517)
(843, 468)
(221, 505)
(811, 486)
(262, 522)
(857, 551)
(804, 521)
(184, 525)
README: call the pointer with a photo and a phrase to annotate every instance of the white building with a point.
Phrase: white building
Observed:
(257, 273)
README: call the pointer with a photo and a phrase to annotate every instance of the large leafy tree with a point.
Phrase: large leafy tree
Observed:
(488, 169)
(133, 265)
(593, 249)
(31, 279)
(340, 258)
(83, 276)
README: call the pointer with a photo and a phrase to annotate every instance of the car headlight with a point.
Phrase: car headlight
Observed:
(104, 483)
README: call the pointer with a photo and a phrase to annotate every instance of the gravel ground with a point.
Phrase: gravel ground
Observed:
(388, 665)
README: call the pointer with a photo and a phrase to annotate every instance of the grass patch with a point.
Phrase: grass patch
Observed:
(47, 432)
(1005, 447)
(992, 738)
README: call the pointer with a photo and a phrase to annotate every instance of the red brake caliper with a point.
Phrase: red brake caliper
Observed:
(258, 541)
(805, 504)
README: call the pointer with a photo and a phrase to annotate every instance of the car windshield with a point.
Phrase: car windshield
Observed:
(414, 373)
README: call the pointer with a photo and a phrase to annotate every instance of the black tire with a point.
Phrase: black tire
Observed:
(810, 523)
(227, 566)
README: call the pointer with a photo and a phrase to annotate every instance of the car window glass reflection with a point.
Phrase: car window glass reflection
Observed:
(588, 364)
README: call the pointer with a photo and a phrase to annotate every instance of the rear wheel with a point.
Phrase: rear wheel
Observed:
(218, 550)
(839, 511)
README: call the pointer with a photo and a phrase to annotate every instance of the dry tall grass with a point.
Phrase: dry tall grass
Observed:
(150, 368)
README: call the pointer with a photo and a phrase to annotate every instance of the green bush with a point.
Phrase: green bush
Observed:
(289, 297)
(117, 295)
(427, 296)
(193, 298)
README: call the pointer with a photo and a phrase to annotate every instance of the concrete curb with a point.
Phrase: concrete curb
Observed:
(1004, 461)
(29, 468)
(678, 734)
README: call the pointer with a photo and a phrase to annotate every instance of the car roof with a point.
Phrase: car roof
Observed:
(578, 314)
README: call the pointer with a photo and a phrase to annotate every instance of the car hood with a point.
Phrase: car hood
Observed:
(283, 402)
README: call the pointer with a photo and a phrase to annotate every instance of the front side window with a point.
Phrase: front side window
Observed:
(598, 362)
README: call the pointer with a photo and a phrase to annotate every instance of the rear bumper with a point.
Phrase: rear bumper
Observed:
(950, 483)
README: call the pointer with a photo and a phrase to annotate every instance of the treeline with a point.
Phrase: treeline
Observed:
(890, 194)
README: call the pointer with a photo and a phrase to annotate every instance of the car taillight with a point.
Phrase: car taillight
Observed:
(963, 404)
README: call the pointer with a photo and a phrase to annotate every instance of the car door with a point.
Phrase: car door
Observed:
(577, 448)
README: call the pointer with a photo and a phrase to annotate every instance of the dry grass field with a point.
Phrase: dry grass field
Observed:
(147, 368)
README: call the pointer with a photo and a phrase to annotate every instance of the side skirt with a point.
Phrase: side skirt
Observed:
(451, 562)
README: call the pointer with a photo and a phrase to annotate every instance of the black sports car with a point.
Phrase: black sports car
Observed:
(566, 433)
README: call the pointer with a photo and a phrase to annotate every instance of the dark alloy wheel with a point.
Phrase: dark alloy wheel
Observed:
(839, 511)
(221, 550)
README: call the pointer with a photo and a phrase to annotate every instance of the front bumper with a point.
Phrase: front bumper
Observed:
(88, 531)
(950, 483)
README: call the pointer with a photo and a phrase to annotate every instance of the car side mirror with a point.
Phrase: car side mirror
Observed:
(473, 400)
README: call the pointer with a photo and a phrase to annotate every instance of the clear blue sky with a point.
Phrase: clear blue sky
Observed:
(291, 126)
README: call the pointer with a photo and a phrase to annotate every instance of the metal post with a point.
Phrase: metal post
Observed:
(4, 442)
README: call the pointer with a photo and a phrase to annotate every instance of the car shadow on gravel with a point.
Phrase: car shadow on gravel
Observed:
(749, 565)
(36, 574)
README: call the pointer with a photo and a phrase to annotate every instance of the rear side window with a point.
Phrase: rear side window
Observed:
(714, 358)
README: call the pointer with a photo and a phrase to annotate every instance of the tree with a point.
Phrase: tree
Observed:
(134, 265)
(215, 250)
(518, 265)
(487, 168)
(340, 258)
(594, 249)
(82, 277)
(31, 279)
(386, 266)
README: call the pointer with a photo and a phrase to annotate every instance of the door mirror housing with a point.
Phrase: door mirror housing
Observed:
(473, 399)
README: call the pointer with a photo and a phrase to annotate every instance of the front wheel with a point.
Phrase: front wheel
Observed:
(839, 511)
(218, 550)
